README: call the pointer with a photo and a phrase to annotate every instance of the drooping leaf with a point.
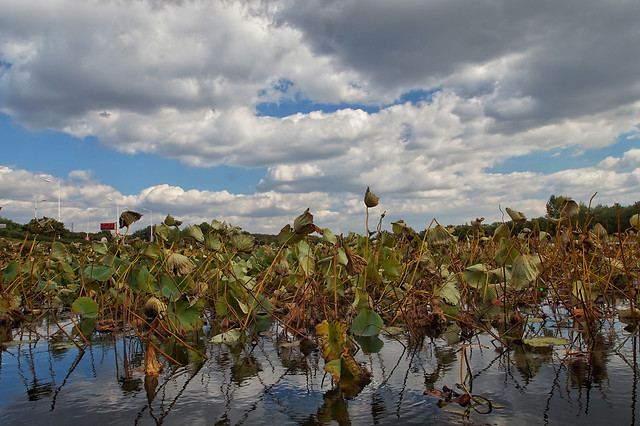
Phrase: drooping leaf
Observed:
(99, 247)
(476, 275)
(328, 237)
(439, 236)
(212, 242)
(128, 217)
(85, 306)
(367, 323)
(305, 257)
(501, 231)
(303, 224)
(516, 216)
(569, 207)
(196, 233)
(171, 221)
(151, 250)
(243, 242)
(524, 271)
(179, 264)
(635, 221)
(162, 231)
(449, 291)
(506, 253)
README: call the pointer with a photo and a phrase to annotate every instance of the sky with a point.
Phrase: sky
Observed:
(252, 111)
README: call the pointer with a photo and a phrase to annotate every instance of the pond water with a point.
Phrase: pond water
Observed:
(278, 380)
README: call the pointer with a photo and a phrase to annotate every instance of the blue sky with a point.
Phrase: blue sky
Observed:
(250, 112)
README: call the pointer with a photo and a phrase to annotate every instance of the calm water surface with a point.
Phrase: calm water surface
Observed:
(279, 381)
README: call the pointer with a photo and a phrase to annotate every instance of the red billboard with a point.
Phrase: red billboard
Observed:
(108, 226)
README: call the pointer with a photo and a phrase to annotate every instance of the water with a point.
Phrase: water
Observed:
(277, 381)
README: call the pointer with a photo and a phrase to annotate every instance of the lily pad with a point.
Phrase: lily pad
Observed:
(367, 323)
(545, 341)
(85, 306)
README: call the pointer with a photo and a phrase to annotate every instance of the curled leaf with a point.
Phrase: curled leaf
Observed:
(370, 199)
(129, 217)
(170, 221)
(180, 264)
(516, 216)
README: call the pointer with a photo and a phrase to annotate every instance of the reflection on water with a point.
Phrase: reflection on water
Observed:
(278, 380)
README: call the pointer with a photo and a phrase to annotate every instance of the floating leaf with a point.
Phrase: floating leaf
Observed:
(370, 199)
(230, 336)
(367, 323)
(129, 217)
(85, 306)
(545, 341)
(333, 339)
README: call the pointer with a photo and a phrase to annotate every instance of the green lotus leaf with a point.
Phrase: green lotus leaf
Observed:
(449, 291)
(367, 323)
(162, 231)
(212, 242)
(218, 226)
(370, 199)
(305, 257)
(391, 268)
(98, 273)
(328, 237)
(85, 306)
(10, 271)
(99, 247)
(60, 253)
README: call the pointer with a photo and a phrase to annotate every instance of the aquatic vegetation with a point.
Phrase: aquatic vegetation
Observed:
(339, 292)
